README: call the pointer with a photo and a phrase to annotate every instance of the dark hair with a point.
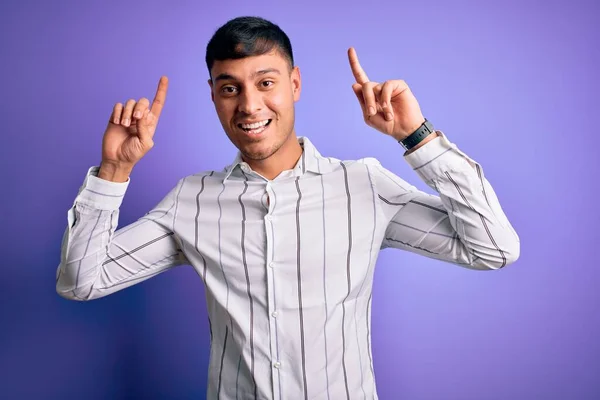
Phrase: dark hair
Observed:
(247, 36)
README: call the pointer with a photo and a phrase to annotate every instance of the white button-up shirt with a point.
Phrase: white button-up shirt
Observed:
(288, 263)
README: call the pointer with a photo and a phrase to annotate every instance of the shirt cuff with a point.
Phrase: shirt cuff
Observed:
(99, 193)
(431, 160)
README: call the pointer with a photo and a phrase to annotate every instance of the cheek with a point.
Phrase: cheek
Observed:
(280, 101)
(224, 109)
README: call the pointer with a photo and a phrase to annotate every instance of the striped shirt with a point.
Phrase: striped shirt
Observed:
(288, 263)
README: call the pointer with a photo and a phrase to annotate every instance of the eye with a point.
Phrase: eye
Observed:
(228, 89)
(267, 83)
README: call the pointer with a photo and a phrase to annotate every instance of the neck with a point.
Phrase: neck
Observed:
(283, 159)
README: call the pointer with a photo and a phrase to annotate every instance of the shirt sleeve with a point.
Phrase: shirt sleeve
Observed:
(96, 259)
(464, 225)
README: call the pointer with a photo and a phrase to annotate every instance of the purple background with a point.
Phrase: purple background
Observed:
(514, 84)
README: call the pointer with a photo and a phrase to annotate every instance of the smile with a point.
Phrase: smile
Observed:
(256, 127)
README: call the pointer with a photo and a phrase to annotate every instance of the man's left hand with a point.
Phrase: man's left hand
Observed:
(389, 107)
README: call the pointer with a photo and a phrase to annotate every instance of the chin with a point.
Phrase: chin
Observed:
(258, 151)
(259, 146)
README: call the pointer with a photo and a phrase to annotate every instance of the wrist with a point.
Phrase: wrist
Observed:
(428, 139)
(114, 173)
(421, 133)
(416, 124)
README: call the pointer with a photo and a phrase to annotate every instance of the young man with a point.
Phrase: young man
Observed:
(284, 239)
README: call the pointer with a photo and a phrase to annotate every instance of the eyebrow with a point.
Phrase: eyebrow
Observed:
(226, 76)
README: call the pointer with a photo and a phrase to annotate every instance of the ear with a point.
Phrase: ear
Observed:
(296, 83)
(212, 95)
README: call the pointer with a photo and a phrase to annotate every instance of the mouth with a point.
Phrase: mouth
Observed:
(255, 128)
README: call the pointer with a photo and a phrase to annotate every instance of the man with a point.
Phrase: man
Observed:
(284, 239)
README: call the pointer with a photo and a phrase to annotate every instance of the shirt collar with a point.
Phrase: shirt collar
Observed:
(310, 161)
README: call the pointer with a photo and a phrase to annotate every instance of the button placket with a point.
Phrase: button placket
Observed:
(268, 221)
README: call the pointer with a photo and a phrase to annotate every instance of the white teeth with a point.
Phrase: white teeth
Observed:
(257, 131)
(255, 125)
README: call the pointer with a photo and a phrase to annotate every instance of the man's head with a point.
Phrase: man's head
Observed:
(253, 80)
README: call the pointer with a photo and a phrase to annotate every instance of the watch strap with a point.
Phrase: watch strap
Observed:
(417, 136)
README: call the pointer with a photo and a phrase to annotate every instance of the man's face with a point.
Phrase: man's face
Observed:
(254, 98)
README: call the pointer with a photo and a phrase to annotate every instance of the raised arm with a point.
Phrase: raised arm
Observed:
(463, 225)
(97, 260)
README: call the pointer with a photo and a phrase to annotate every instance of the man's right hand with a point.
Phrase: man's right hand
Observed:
(128, 136)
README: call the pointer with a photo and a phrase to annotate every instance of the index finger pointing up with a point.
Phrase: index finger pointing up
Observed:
(160, 97)
(359, 73)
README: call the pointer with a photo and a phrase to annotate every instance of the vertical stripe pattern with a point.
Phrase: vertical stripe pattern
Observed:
(250, 299)
(300, 308)
(348, 277)
(288, 284)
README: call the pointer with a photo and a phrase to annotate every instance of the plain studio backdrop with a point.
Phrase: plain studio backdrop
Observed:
(513, 83)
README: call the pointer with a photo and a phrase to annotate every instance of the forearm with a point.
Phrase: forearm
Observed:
(92, 221)
(97, 260)
(474, 212)
(82, 251)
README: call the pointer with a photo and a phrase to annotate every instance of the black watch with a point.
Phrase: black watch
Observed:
(417, 136)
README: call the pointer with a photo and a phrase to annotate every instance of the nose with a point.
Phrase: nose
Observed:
(250, 101)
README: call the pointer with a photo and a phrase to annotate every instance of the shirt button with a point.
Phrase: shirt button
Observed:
(269, 217)
(274, 314)
(277, 364)
(271, 264)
